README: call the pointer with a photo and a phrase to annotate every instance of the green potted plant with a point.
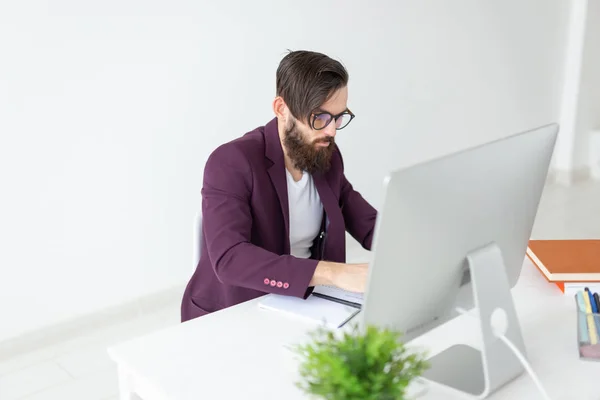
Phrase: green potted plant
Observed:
(353, 365)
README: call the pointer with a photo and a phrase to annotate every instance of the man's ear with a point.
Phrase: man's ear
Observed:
(279, 107)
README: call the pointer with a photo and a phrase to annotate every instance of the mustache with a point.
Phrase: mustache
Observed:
(327, 139)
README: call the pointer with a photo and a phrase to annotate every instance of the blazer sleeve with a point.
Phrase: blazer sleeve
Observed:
(227, 220)
(359, 215)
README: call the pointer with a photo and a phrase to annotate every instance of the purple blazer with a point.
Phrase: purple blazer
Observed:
(245, 243)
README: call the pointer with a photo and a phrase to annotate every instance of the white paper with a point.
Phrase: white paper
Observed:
(314, 309)
(340, 294)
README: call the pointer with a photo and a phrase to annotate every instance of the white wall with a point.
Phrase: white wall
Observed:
(588, 110)
(580, 108)
(108, 111)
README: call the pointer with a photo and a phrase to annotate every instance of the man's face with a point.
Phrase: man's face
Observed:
(311, 149)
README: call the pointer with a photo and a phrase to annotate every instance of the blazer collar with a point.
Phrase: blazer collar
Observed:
(273, 150)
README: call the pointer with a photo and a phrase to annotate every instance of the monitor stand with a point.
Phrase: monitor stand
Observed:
(471, 371)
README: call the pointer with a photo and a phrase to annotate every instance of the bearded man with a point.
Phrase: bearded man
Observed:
(276, 203)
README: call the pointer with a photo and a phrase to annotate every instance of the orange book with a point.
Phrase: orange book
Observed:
(567, 263)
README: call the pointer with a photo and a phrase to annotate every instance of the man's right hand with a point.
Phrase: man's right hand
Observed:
(351, 277)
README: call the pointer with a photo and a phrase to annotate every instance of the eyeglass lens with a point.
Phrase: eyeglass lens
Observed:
(322, 120)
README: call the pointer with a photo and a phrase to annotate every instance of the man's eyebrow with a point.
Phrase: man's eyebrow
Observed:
(318, 110)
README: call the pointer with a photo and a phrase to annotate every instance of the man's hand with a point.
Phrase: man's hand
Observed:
(351, 277)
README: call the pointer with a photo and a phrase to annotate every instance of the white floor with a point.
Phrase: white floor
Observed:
(79, 368)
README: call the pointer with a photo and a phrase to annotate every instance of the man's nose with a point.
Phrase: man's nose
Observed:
(330, 129)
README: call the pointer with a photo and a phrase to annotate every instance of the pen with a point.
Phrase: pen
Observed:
(592, 301)
(349, 318)
(594, 309)
(596, 300)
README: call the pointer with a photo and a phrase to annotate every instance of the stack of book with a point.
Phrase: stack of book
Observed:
(572, 265)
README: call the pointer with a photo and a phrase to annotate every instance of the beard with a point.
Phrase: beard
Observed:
(306, 156)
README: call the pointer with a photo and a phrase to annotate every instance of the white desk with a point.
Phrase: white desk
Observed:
(240, 353)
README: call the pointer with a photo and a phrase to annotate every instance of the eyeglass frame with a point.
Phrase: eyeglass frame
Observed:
(333, 117)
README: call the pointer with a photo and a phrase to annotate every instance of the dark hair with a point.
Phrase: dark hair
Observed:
(307, 79)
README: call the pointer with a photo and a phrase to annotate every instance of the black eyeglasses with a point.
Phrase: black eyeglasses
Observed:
(321, 119)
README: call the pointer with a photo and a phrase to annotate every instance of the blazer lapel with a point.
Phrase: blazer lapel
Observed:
(334, 224)
(276, 170)
(328, 199)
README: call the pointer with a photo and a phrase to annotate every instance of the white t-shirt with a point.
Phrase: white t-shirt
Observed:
(306, 214)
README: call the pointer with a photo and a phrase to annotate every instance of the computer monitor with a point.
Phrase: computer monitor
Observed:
(453, 232)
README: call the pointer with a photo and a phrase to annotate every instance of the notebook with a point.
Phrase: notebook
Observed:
(570, 264)
(334, 293)
(313, 309)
